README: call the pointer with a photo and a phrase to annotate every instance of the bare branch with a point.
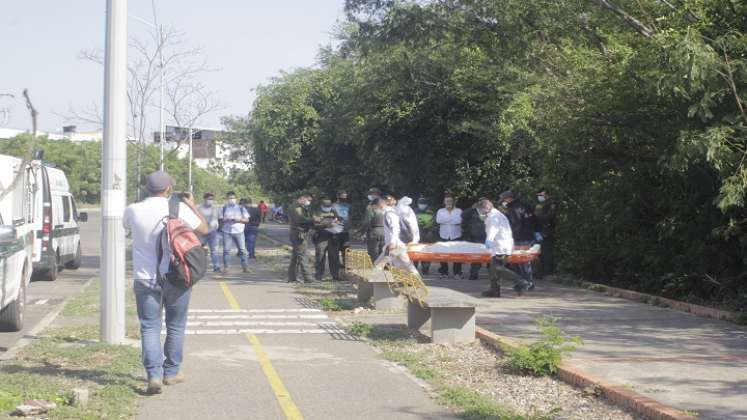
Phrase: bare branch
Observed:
(629, 19)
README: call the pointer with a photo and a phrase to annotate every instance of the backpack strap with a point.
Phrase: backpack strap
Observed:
(174, 207)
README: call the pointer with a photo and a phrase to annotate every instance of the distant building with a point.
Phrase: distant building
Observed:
(208, 148)
(69, 132)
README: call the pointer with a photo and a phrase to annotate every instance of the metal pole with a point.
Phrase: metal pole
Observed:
(114, 175)
(190, 159)
(160, 103)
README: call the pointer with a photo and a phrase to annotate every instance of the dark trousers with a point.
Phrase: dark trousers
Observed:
(327, 249)
(375, 243)
(300, 263)
(498, 272)
(343, 242)
(425, 266)
(444, 269)
(547, 258)
(250, 235)
(524, 270)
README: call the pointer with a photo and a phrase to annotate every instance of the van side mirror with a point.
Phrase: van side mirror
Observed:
(8, 235)
(83, 217)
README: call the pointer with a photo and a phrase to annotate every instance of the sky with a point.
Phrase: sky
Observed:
(251, 41)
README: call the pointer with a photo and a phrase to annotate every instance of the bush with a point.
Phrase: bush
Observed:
(543, 357)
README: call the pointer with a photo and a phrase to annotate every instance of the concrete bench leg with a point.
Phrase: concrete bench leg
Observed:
(384, 299)
(365, 290)
(417, 316)
(453, 325)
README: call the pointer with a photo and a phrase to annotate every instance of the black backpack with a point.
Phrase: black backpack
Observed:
(188, 260)
(405, 233)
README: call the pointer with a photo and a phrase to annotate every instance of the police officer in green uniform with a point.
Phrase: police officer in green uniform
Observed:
(373, 225)
(427, 226)
(301, 223)
(326, 244)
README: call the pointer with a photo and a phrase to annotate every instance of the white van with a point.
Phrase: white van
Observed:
(55, 223)
(16, 240)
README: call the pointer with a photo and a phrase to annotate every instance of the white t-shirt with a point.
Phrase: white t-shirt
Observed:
(235, 212)
(144, 220)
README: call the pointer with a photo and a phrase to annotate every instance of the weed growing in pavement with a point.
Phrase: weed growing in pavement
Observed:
(543, 357)
(331, 304)
(360, 329)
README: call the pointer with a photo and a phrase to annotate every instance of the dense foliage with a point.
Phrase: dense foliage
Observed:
(81, 162)
(631, 111)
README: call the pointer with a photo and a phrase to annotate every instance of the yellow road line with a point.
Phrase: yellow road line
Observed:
(278, 388)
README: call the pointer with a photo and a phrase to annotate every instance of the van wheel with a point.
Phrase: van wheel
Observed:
(11, 318)
(74, 264)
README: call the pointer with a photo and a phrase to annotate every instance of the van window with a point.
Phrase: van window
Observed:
(75, 209)
(66, 210)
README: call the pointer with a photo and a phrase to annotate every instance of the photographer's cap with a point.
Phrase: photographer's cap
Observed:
(159, 181)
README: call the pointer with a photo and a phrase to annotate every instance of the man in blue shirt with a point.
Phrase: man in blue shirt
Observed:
(342, 207)
(234, 217)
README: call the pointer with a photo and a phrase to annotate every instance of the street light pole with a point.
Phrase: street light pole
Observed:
(160, 102)
(114, 175)
(190, 159)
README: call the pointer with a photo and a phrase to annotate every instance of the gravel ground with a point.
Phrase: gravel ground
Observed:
(481, 368)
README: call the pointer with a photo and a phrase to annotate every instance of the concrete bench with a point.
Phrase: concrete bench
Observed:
(374, 286)
(452, 315)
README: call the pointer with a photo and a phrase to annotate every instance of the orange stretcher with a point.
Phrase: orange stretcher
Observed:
(520, 256)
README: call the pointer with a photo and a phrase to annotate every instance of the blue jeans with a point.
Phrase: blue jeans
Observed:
(250, 234)
(524, 270)
(211, 239)
(149, 303)
(240, 242)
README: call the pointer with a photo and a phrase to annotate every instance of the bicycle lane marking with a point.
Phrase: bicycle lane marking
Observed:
(278, 388)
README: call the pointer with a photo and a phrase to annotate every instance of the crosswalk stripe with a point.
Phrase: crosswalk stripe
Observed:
(245, 311)
(248, 323)
(254, 331)
(258, 316)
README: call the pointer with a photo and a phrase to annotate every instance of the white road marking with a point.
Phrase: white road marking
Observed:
(247, 311)
(258, 316)
(41, 302)
(252, 331)
(249, 323)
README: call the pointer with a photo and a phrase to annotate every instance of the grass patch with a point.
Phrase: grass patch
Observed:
(334, 304)
(360, 329)
(51, 367)
(86, 303)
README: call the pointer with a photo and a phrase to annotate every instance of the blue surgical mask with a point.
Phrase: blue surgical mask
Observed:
(422, 206)
(326, 209)
(209, 203)
(371, 197)
(541, 198)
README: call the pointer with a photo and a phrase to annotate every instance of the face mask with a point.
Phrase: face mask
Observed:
(232, 201)
(422, 206)
(326, 209)
(371, 197)
(541, 198)
(483, 216)
(306, 203)
(209, 203)
(504, 204)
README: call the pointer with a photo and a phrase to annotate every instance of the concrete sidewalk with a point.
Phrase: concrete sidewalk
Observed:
(257, 349)
(691, 363)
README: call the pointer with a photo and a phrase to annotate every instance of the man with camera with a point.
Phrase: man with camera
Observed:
(145, 222)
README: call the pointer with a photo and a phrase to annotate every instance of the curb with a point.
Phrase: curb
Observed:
(617, 394)
(678, 305)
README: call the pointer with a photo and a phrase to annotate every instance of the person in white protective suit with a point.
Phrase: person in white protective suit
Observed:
(407, 214)
(500, 242)
(395, 250)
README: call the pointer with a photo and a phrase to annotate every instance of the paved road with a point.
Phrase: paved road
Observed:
(257, 349)
(45, 298)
